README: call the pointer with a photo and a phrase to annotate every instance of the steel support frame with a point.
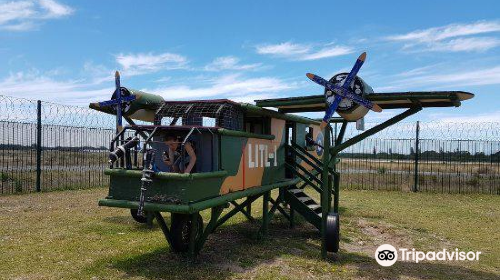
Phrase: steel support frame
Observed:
(326, 188)
(330, 158)
(196, 244)
(268, 214)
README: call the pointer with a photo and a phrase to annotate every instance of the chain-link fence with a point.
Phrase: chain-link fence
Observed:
(432, 156)
(49, 146)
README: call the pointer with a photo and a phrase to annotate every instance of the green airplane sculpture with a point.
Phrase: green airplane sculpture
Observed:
(243, 152)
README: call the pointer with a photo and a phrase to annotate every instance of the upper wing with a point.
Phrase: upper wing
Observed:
(389, 100)
(395, 100)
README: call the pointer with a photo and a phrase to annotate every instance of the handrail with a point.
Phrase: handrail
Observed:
(166, 175)
(237, 133)
(304, 178)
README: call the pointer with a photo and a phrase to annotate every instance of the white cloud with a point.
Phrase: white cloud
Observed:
(475, 118)
(29, 14)
(448, 31)
(34, 85)
(328, 52)
(141, 63)
(302, 52)
(473, 44)
(283, 49)
(54, 9)
(417, 71)
(451, 38)
(229, 63)
(229, 86)
(472, 77)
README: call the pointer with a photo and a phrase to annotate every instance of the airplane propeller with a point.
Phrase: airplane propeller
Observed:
(118, 100)
(343, 91)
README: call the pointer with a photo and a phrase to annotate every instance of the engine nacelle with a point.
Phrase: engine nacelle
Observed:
(143, 107)
(348, 109)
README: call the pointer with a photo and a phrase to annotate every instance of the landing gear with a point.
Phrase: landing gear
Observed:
(181, 228)
(332, 232)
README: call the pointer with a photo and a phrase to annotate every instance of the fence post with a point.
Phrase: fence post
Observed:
(38, 145)
(417, 132)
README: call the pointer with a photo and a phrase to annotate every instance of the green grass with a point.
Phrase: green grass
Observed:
(64, 235)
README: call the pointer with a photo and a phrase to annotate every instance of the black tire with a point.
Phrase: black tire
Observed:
(137, 218)
(181, 229)
(332, 232)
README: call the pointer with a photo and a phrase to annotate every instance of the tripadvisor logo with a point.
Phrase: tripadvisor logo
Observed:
(387, 255)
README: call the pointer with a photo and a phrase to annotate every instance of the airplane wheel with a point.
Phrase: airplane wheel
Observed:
(332, 232)
(137, 218)
(181, 229)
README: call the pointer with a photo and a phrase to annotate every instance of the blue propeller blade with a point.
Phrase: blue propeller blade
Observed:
(116, 101)
(354, 71)
(331, 109)
(119, 99)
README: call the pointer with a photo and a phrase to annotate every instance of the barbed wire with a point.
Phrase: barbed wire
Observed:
(480, 131)
(14, 109)
(21, 110)
(58, 114)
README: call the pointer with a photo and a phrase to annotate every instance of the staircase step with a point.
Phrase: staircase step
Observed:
(295, 191)
(305, 206)
(304, 199)
(314, 207)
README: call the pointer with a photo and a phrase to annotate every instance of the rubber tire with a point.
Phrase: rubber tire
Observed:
(332, 232)
(137, 218)
(180, 230)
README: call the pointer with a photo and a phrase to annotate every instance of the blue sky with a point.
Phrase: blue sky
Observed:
(66, 51)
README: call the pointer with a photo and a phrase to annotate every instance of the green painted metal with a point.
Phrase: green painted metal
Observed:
(148, 206)
(340, 137)
(249, 207)
(265, 214)
(244, 211)
(164, 227)
(166, 187)
(303, 210)
(38, 145)
(144, 101)
(276, 205)
(269, 113)
(279, 208)
(212, 224)
(237, 133)
(417, 153)
(309, 174)
(306, 103)
(309, 160)
(165, 175)
(338, 148)
(230, 156)
(325, 206)
(197, 206)
(297, 148)
(192, 235)
(291, 101)
(304, 178)
(235, 210)
(336, 192)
